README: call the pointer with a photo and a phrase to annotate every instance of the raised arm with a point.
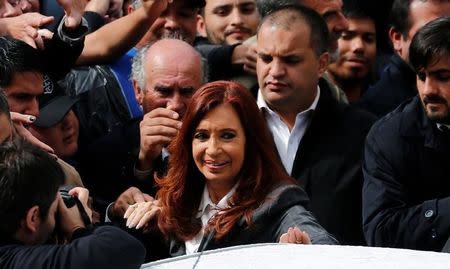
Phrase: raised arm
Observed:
(115, 38)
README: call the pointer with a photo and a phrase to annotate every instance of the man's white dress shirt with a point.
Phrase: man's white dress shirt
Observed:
(286, 141)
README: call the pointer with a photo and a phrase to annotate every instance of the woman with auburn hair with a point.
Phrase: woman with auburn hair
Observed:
(225, 185)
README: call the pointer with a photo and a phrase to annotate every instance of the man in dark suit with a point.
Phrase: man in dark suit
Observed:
(397, 82)
(406, 194)
(319, 141)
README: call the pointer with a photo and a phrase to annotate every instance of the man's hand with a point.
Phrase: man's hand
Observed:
(19, 123)
(74, 10)
(246, 54)
(70, 218)
(155, 7)
(157, 129)
(129, 197)
(24, 27)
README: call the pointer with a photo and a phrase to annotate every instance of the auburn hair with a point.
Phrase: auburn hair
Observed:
(180, 191)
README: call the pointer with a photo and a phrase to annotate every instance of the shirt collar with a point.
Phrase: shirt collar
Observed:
(206, 200)
(264, 107)
(439, 125)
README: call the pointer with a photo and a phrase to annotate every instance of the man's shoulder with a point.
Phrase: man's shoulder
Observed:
(342, 116)
(403, 118)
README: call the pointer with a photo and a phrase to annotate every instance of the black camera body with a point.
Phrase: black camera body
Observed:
(68, 199)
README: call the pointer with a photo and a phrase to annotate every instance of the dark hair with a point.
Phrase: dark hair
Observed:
(4, 107)
(430, 43)
(266, 6)
(356, 11)
(287, 16)
(181, 190)
(17, 56)
(28, 177)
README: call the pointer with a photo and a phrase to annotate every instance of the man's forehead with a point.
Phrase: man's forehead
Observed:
(365, 25)
(215, 3)
(27, 82)
(323, 6)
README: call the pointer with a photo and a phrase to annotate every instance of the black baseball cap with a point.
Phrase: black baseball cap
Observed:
(54, 104)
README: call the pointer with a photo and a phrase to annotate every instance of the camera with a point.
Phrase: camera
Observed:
(68, 199)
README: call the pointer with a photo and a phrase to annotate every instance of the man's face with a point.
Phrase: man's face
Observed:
(357, 50)
(331, 11)
(63, 137)
(9, 8)
(169, 84)
(47, 225)
(178, 19)
(23, 92)
(230, 21)
(5, 128)
(288, 69)
(433, 84)
(420, 13)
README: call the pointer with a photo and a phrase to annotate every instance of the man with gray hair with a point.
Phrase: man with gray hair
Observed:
(165, 75)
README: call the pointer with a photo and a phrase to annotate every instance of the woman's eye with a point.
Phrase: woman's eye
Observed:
(228, 135)
(200, 136)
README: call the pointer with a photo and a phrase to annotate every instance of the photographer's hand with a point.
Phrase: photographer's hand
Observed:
(70, 218)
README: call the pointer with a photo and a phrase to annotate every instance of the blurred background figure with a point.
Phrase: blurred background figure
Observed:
(357, 48)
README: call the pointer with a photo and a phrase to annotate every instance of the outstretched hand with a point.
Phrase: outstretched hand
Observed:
(25, 27)
(139, 214)
(19, 123)
(74, 10)
(155, 6)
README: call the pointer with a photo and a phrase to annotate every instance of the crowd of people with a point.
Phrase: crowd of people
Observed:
(137, 130)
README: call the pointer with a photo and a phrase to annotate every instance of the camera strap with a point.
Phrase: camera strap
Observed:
(86, 220)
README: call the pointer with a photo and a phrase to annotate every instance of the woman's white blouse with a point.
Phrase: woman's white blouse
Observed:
(206, 210)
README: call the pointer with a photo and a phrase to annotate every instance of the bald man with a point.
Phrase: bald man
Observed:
(165, 75)
(176, 72)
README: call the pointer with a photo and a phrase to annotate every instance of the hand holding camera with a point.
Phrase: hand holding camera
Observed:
(73, 210)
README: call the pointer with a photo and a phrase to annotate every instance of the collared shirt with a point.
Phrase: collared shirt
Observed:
(286, 141)
(206, 210)
(442, 126)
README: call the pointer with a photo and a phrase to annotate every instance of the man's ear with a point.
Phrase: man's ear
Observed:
(32, 219)
(324, 60)
(396, 39)
(138, 92)
(130, 9)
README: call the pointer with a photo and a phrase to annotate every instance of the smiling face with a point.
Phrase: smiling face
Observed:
(230, 21)
(357, 51)
(218, 147)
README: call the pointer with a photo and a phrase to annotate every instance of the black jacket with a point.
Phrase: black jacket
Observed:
(328, 166)
(397, 84)
(406, 194)
(106, 247)
(284, 208)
